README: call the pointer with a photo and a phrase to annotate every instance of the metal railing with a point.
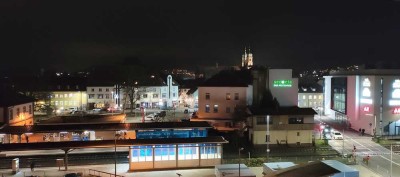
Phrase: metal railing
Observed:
(102, 173)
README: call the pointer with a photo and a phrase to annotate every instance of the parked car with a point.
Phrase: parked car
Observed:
(150, 117)
(78, 112)
(336, 135)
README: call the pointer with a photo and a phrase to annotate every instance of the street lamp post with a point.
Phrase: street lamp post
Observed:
(240, 149)
(115, 153)
(268, 138)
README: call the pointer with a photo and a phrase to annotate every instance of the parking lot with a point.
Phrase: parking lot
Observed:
(170, 115)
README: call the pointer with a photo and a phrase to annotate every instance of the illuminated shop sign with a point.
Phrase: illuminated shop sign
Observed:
(396, 111)
(366, 109)
(366, 92)
(282, 83)
(395, 101)
(366, 83)
(366, 101)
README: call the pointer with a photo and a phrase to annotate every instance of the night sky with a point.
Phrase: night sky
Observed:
(77, 34)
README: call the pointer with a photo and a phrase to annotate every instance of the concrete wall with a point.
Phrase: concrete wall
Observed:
(286, 96)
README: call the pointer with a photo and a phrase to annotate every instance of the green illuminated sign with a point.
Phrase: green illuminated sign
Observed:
(282, 83)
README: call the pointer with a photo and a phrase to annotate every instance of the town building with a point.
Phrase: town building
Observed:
(15, 109)
(365, 99)
(101, 96)
(311, 96)
(220, 96)
(156, 92)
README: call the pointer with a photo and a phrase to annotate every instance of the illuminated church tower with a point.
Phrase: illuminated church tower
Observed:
(247, 59)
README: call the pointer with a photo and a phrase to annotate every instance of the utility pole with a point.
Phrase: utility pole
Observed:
(268, 138)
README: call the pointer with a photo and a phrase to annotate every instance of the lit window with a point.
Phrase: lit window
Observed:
(65, 95)
(304, 97)
(70, 95)
(215, 108)
(55, 95)
(155, 95)
(100, 96)
(228, 96)
(309, 96)
(144, 95)
(315, 96)
(207, 108)
(320, 97)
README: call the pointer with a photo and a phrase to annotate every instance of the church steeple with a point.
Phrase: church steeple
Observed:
(247, 58)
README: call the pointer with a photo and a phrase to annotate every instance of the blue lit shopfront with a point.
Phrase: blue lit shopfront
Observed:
(171, 133)
(174, 156)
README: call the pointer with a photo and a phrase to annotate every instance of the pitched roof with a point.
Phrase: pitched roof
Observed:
(10, 98)
(43, 128)
(312, 169)
(230, 78)
(291, 110)
(108, 143)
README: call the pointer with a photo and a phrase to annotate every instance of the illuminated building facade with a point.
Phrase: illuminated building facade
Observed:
(365, 99)
(247, 59)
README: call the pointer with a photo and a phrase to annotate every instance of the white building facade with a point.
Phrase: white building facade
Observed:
(101, 96)
(366, 99)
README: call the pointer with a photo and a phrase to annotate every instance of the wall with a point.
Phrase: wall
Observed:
(24, 118)
(218, 97)
(2, 118)
(286, 96)
(73, 99)
(102, 102)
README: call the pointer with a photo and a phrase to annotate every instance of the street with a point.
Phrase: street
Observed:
(380, 157)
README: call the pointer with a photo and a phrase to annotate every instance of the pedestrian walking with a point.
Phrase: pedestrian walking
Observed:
(359, 130)
(354, 147)
(362, 132)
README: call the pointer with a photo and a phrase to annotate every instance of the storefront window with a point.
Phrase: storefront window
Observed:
(210, 151)
(187, 152)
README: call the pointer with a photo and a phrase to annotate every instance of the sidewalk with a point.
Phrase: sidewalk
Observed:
(122, 170)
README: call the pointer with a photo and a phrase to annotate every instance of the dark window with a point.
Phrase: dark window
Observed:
(18, 112)
(155, 95)
(207, 108)
(107, 90)
(100, 90)
(144, 95)
(228, 96)
(24, 109)
(228, 110)
(30, 109)
(91, 96)
(298, 133)
(236, 96)
(92, 89)
(215, 108)
(107, 96)
(164, 95)
(207, 96)
(263, 120)
(296, 120)
(339, 94)
(11, 116)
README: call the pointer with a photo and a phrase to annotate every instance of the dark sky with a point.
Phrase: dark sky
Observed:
(77, 34)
